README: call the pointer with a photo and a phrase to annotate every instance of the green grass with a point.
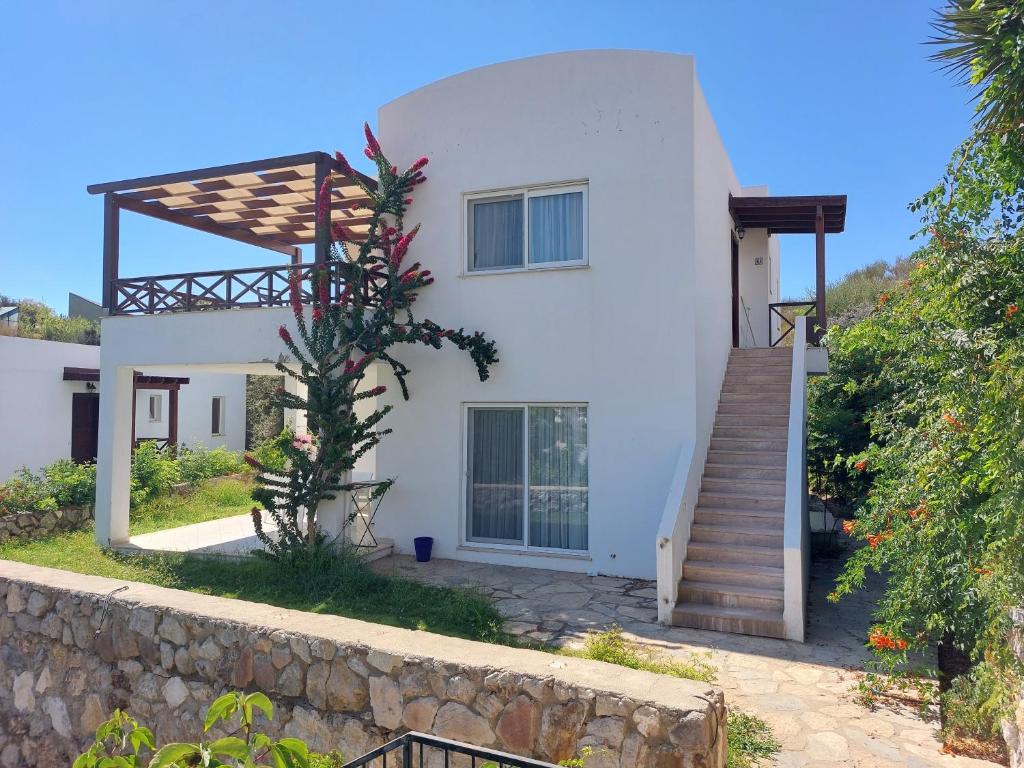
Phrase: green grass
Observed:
(611, 646)
(751, 741)
(343, 586)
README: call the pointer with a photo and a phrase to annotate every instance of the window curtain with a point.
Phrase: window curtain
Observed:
(558, 477)
(496, 475)
(556, 228)
(497, 233)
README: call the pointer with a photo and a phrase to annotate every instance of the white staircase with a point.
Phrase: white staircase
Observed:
(732, 577)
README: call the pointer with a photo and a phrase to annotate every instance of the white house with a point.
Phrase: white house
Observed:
(582, 211)
(49, 405)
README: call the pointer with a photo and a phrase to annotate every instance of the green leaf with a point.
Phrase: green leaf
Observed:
(221, 709)
(172, 753)
(229, 745)
(262, 703)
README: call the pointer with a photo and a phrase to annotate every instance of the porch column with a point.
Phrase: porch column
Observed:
(819, 260)
(332, 514)
(172, 419)
(113, 462)
(111, 249)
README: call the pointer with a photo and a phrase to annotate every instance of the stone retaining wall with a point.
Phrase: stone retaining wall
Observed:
(73, 647)
(1013, 729)
(32, 525)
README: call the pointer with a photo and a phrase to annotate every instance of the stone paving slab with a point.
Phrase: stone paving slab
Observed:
(806, 691)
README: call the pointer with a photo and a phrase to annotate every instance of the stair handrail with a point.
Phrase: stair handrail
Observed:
(674, 529)
(796, 534)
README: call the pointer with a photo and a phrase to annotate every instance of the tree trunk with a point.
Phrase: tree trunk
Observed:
(953, 662)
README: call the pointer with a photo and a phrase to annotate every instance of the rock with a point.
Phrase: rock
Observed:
(559, 729)
(263, 673)
(167, 656)
(647, 721)
(385, 662)
(316, 684)
(38, 604)
(241, 672)
(386, 701)
(635, 751)
(209, 650)
(300, 648)
(124, 643)
(608, 730)
(612, 705)
(541, 690)
(290, 682)
(691, 733)
(183, 661)
(44, 680)
(519, 725)
(143, 621)
(93, 714)
(322, 649)
(15, 602)
(171, 630)
(418, 714)
(414, 682)
(280, 656)
(455, 721)
(175, 692)
(461, 689)
(58, 713)
(10, 756)
(24, 699)
(489, 705)
(309, 726)
(346, 691)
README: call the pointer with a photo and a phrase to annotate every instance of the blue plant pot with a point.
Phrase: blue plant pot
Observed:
(423, 545)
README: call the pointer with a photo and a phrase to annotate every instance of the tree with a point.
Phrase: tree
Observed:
(345, 333)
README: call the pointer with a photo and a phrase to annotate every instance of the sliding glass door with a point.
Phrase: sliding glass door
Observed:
(527, 481)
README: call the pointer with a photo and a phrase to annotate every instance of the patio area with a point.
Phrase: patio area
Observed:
(805, 691)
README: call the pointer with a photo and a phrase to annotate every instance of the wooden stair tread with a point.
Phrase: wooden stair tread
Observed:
(741, 529)
(744, 590)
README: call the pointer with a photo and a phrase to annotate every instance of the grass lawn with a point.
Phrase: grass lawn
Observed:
(343, 587)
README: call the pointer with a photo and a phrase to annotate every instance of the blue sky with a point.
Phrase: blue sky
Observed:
(810, 97)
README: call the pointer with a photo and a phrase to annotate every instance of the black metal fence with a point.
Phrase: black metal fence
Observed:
(420, 750)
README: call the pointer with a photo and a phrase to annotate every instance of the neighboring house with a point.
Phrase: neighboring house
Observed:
(8, 318)
(582, 211)
(49, 405)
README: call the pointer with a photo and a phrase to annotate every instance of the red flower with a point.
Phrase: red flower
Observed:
(371, 141)
(878, 639)
(398, 253)
(921, 510)
(343, 163)
(849, 526)
(861, 465)
(408, 201)
(248, 458)
(883, 298)
(379, 390)
(340, 233)
(295, 293)
(285, 336)
(1011, 311)
(953, 421)
(323, 199)
(318, 314)
(323, 288)
(417, 165)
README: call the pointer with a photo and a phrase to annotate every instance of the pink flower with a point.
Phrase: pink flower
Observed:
(402, 246)
(371, 141)
(323, 199)
(408, 201)
(323, 287)
(368, 153)
(318, 314)
(341, 233)
(343, 163)
(417, 165)
(285, 336)
(380, 390)
(295, 293)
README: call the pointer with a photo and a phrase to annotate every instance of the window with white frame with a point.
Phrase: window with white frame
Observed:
(217, 416)
(156, 409)
(527, 483)
(532, 227)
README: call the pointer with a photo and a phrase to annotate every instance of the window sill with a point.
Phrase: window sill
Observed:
(520, 270)
(524, 552)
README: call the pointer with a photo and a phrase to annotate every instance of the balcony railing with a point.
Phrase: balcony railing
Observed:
(421, 749)
(224, 289)
(790, 312)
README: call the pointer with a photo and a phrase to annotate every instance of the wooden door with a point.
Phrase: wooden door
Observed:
(85, 424)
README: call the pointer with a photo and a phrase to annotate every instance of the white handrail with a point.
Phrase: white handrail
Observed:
(674, 530)
(796, 534)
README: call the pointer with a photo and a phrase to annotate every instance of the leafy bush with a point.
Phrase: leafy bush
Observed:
(26, 492)
(751, 741)
(154, 471)
(271, 454)
(975, 704)
(70, 483)
(200, 463)
(121, 741)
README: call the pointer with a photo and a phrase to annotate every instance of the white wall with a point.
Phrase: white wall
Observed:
(35, 401)
(195, 410)
(616, 335)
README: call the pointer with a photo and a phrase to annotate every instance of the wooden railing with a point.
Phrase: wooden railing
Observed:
(796, 309)
(224, 289)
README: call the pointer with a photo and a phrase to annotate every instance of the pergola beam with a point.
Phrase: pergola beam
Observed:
(819, 267)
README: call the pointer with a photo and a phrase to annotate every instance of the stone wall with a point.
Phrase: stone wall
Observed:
(73, 647)
(31, 525)
(1013, 729)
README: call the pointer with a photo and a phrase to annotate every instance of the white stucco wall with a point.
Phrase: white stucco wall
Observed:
(195, 411)
(616, 335)
(35, 401)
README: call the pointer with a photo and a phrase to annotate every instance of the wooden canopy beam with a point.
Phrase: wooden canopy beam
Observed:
(819, 267)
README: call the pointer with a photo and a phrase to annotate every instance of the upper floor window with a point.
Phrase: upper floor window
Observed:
(527, 228)
(217, 416)
(155, 408)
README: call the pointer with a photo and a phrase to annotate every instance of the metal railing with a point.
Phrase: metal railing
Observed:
(417, 750)
(795, 309)
(223, 289)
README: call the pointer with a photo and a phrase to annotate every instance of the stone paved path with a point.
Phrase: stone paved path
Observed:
(803, 690)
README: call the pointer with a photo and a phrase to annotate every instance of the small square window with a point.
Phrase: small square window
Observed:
(156, 410)
(496, 233)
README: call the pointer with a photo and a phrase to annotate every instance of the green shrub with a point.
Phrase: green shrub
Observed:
(70, 483)
(26, 492)
(200, 463)
(612, 647)
(975, 704)
(751, 741)
(154, 471)
(271, 454)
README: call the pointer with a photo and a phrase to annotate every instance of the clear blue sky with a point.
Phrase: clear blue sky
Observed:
(810, 97)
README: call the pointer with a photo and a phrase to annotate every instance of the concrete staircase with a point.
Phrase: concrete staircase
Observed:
(732, 575)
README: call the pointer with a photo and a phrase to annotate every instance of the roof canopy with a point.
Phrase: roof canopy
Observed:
(793, 214)
(142, 381)
(270, 203)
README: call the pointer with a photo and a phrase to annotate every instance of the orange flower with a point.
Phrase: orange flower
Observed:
(953, 421)
(883, 298)
(1011, 311)
(983, 571)
(874, 540)
(848, 526)
(878, 639)
(921, 510)
(861, 465)
(919, 265)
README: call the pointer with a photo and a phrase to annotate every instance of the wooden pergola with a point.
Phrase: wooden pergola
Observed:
(795, 214)
(267, 203)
